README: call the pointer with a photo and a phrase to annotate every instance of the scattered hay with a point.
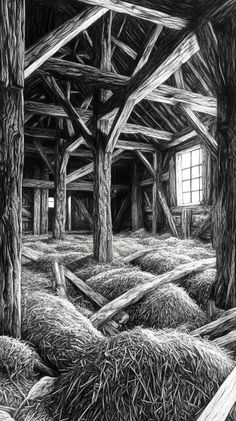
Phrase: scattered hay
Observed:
(17, 374)
(199, 286)
(33, 279)
(87, 267)
(55, 328)
(141, 375)
(168, 306)
(161, 262)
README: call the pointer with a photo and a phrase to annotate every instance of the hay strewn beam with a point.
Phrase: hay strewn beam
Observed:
(135, 294)
(141, 12)
(52, 42)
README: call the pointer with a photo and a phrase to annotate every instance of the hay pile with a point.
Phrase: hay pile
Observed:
(55, 328)
(161, 262)
(199, 286)
(141, 375)
(168, 306)
(17, 375)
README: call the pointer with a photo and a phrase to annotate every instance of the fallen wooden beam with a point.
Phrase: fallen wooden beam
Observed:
(218, 327)
(132, 257)
(137, 293)
(220, 406)
(93, 297)
(227, 340)
(47, 46)
(59, 284)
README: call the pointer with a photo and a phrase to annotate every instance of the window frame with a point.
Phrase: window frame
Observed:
(179, 181)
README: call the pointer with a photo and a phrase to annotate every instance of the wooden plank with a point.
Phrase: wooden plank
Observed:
(79, 126)
(200, 129)
(43, 133)
(135, 217)
(145, 162)
(148, 47)
(82, 208)
(146, 80)
(94, 297)
(218, 327)
(137, 293)
(132, 146)
(138, 11)
(12, 41)
(220, 406)
(59, 284)
(59, 216)
(47, 46)
(54, 110)
(44, 156)
(44, 204)
(37, 205)
(186, 219)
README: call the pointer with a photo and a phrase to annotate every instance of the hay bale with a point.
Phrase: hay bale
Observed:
(199, 286)
(168, 306)
(161, 262)
(141, 375)
(17, 375)
(88, 267)
(55, 328)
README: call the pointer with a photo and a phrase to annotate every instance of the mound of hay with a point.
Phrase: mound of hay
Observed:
(141, 375)
(55, 328)
(17, 375)
(199, 286)
(161, 262)
(168, 306)
(87, 267)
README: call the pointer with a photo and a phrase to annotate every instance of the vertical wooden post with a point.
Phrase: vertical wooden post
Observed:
(37, 204)
(12, 16)
(135, 221)
(60, 196)
(44, 203)
(102, 228)
(224, 214)
(69, 212)
(156, 209)
(186, 219)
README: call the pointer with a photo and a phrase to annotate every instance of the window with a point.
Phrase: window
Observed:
(51, 202)
(189, 176)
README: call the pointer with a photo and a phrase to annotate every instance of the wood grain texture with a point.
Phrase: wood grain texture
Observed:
(38, 53)
(220, 406)
(12, 16)
(135, 294)
(37, 204)
(44, 203)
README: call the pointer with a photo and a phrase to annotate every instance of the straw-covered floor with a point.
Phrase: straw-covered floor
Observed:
(138, 374)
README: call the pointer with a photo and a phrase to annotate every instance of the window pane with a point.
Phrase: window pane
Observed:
(186, 174)
(186, 186)
(51, 202)
(186, 198)
(196, 157)
(186, 160)
(200, 183)
(200, 195)
(196, 171)
(195, 197)
(195, 184)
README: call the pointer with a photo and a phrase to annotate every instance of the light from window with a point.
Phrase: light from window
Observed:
(189, 176)
(51, 202)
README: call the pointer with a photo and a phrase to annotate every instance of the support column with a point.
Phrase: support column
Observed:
(69, 212)
(12, 15)
(44, 203)
(102, 228)
(135, 199)
(157, 216)
(60, 196)
(37, 204)
(224, 216)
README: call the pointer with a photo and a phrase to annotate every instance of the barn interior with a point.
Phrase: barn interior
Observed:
(118, 210)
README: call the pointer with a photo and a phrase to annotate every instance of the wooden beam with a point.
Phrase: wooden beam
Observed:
(37, 204)
(220, 406)
(163, 94)
(137, 293)
(201, 129)
(145, 162)
(147, 79)
(148, 47)
(141, 12)
(133, 146)
(86, 169)
(77, 122)
(128, 50)
(47, 46)
(12, 43)
(54, 110)
(43, 133)
(135, 217)
(44, 203)
(147, 131)
(84, 211)
(44, 156)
